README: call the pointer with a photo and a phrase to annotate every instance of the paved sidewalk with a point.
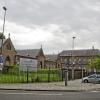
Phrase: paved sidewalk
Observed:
(75, 85)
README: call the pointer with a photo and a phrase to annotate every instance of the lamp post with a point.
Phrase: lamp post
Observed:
(2, 36)
(5, 9)
(73, 58)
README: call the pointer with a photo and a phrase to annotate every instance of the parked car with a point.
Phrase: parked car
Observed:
(94, 78)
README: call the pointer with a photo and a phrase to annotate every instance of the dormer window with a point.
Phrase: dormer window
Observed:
(8, 46)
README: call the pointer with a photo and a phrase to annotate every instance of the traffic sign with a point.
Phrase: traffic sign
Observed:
(1, 62)
(1, 59)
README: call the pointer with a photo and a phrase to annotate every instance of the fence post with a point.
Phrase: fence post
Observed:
(73, 73)
(49, 75)
(62, 74)
(27, 74)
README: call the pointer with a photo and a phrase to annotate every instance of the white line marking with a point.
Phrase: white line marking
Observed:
(14, 93)
(53, 94)
(50, 94)
(95, 91)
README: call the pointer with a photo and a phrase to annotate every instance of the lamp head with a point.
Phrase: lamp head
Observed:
(74, 37)
(4, 8)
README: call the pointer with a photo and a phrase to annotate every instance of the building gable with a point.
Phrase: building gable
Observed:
(8, 46)
(8, 51)
(40, 53)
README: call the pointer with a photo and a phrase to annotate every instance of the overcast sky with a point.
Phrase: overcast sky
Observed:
(52, 24)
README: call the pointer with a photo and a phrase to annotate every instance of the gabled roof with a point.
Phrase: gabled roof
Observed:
(5, 41)
(83, 52)
(29, 52)
(41, 53)
(8, 40)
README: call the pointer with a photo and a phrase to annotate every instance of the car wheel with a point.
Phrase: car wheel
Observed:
(85, 81)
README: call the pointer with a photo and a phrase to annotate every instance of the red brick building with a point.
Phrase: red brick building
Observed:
(76, 58)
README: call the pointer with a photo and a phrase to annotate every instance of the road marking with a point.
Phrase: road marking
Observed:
(95, 91)
(12, 93)
(51, 94)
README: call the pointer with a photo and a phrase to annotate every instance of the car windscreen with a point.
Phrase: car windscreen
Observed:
(92, 76)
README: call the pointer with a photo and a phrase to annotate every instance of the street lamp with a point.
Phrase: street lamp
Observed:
(73, 58)
(5, 9)
(2, 37)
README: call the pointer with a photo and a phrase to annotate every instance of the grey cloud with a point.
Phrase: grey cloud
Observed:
(43, 12)
(36, 10)
(79, 16)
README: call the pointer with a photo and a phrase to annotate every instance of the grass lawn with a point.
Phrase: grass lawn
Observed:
(43, 75)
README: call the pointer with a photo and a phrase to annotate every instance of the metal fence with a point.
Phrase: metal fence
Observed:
(15, 75)
(12, 74)
(77, 74)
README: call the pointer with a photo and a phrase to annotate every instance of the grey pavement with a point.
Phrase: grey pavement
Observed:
(75, 85)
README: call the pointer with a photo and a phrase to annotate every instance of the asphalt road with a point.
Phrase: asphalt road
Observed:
(41, 95)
